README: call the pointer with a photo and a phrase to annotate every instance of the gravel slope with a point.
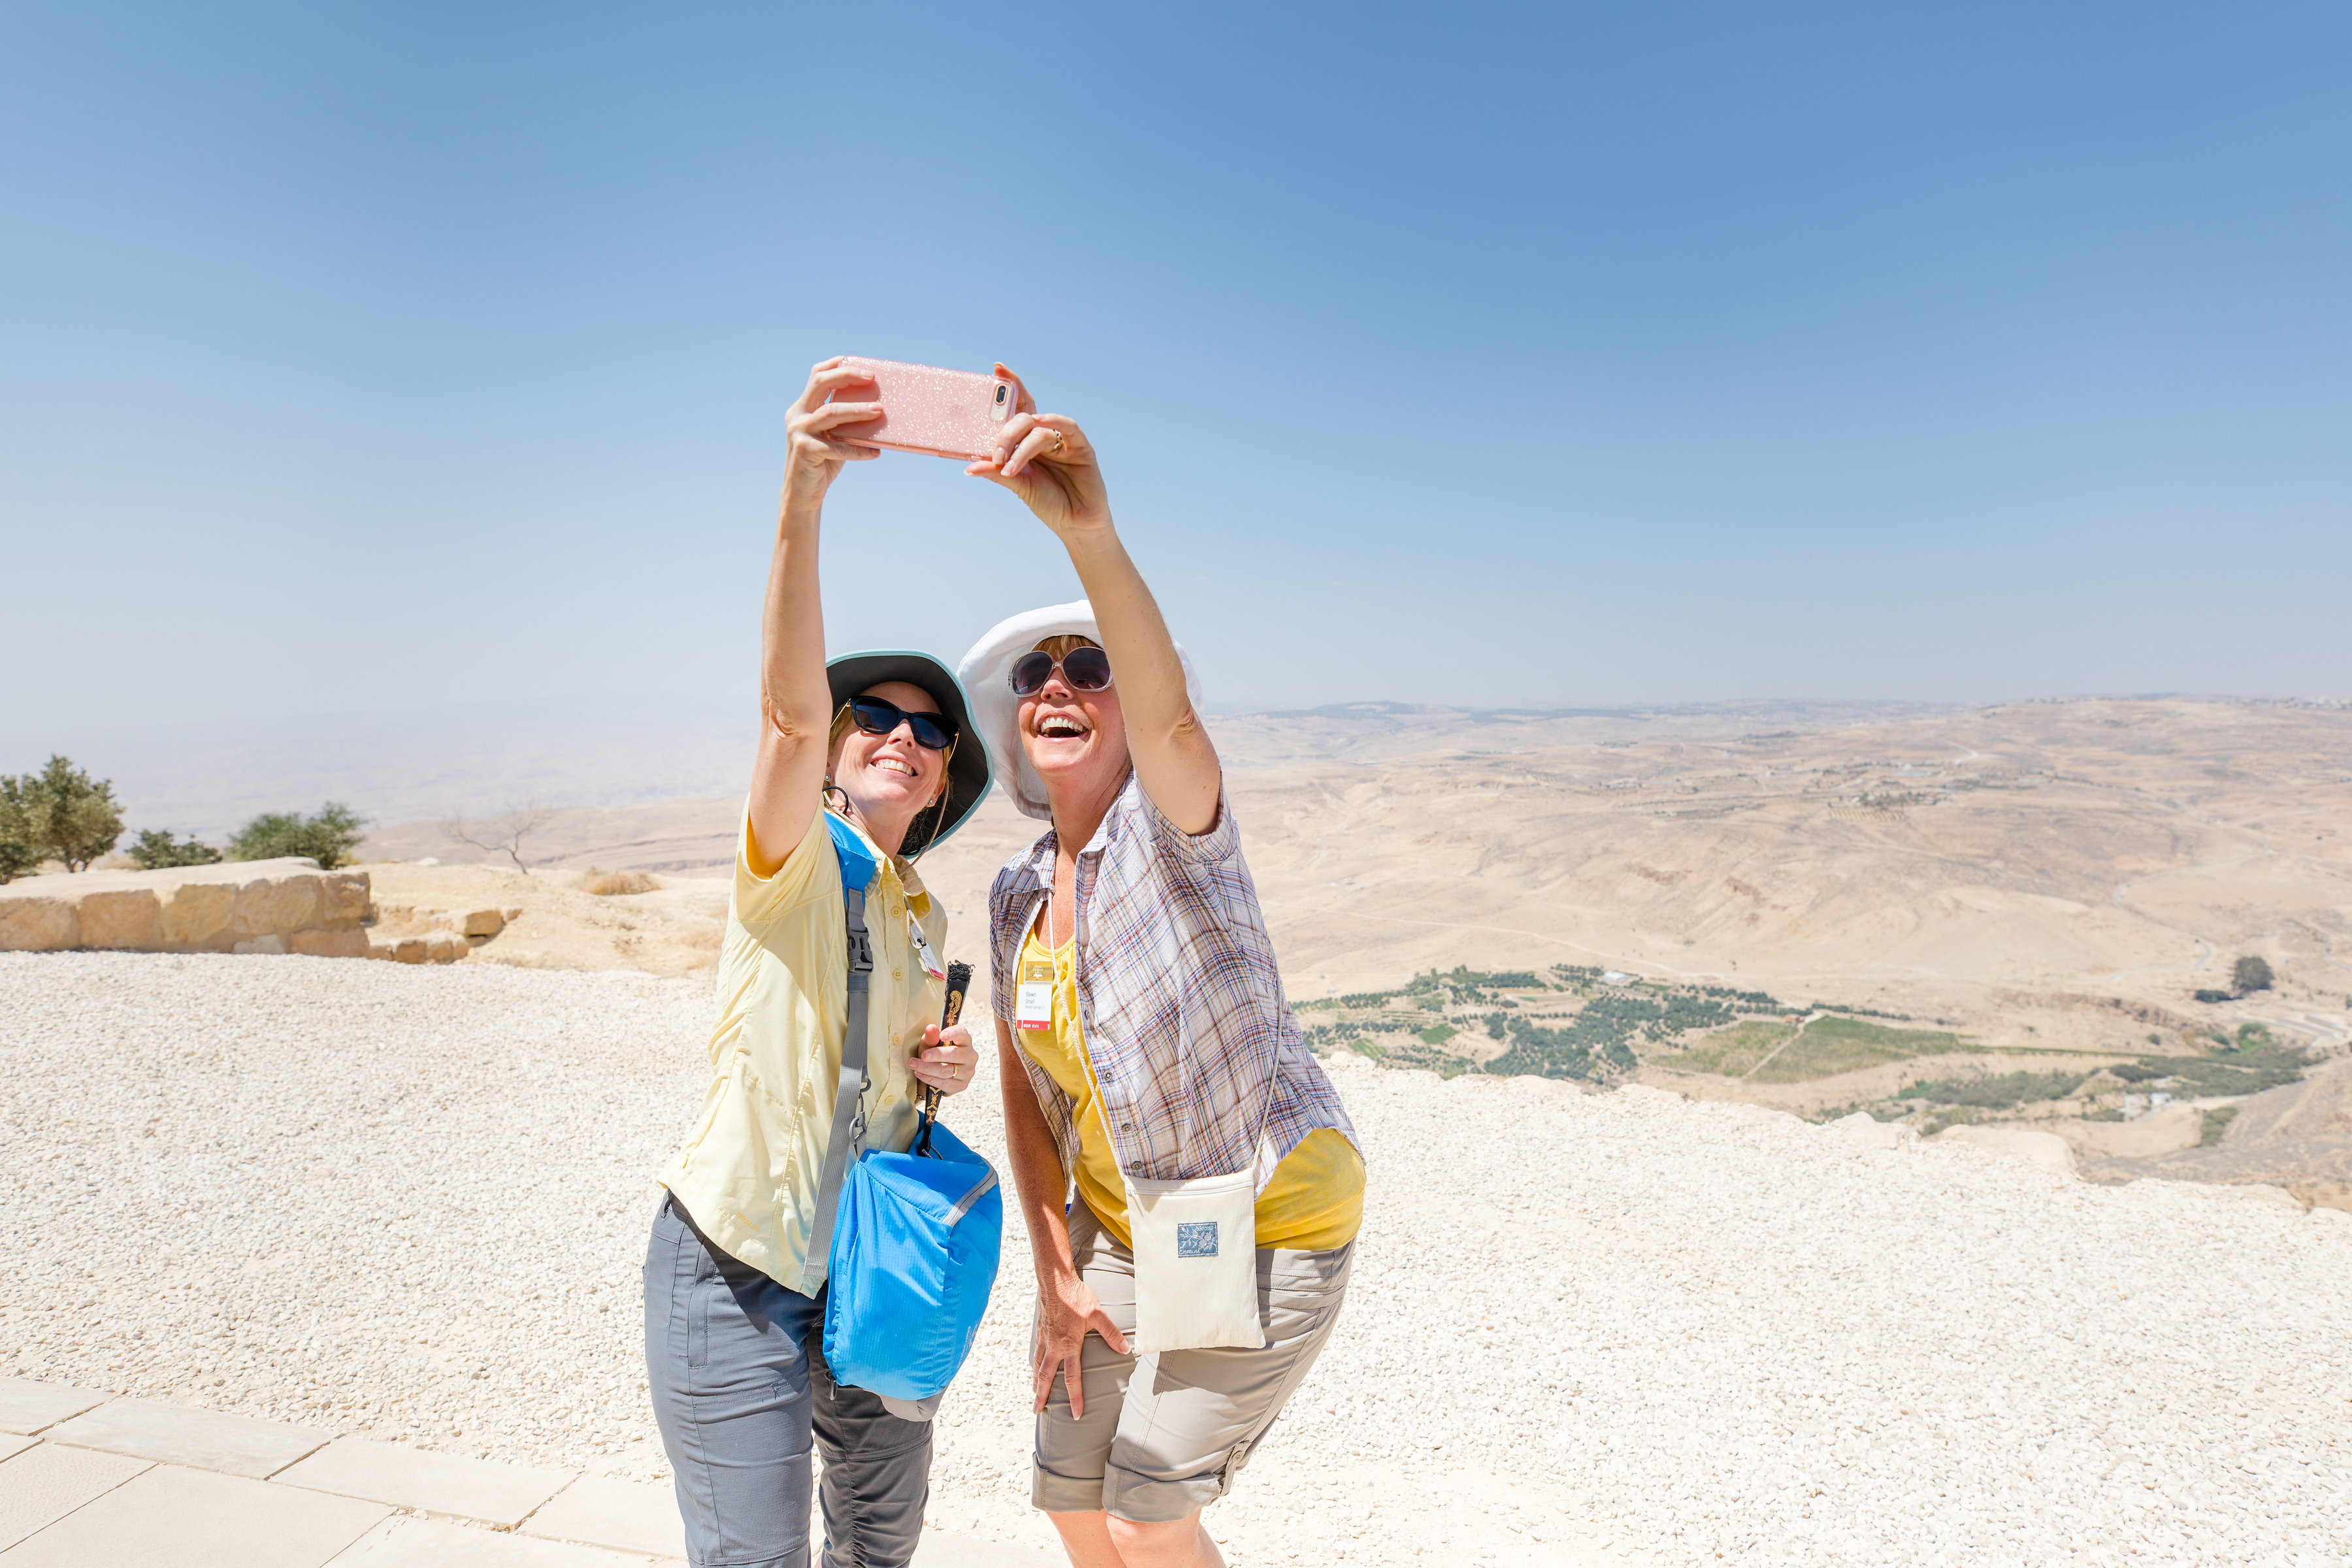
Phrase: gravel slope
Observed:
(412, 1202)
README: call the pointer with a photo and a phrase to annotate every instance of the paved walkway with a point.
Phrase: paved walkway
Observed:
(93, 1477)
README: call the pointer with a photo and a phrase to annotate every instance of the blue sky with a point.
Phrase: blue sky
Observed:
(363, 358)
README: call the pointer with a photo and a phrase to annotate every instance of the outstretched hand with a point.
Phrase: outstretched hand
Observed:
(815, 426)
(1048, 462)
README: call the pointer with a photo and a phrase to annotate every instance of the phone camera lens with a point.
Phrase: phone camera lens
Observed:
(999, 393)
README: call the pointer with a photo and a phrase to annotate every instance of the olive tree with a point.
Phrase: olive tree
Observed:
(2252, 972)
(328, 837)
(59, 814)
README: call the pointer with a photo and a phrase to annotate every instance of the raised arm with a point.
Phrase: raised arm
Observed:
(1046, 461)
(796, 704)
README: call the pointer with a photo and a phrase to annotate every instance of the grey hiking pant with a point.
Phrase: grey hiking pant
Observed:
(736, 1363)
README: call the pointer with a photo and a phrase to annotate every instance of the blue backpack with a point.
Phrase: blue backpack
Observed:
(912, 1241)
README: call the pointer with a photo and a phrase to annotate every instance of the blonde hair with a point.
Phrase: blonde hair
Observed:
(1061, 643)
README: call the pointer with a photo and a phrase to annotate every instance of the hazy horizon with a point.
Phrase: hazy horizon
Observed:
(209, 776)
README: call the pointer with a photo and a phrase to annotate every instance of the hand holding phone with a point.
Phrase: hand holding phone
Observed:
(944, 413)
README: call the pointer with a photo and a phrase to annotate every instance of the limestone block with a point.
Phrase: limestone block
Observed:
(126, 917)
(272, 906)
(472, 922)
(348, 942)
(343, 900)
(2044, 1151)
(273, 944)
(36, 922)
(445, 947)
(397, 949)
(196, 915)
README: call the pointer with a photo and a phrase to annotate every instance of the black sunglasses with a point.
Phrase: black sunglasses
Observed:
(933, 732)
(1086, 669)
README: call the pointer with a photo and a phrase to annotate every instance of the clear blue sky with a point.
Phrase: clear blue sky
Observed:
(370, 357)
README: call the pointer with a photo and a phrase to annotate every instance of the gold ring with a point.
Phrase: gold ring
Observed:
(1057, 439)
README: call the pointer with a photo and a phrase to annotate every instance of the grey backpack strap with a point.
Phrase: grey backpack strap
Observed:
(848, 1120)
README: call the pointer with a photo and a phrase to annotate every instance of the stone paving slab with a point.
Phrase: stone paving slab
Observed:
(179, 1434)
(503, 1495)
(946, 1548)
(170, 1516)
(11, 1443)
(403, 1543)
(42, 1485)
(27, 1406)
(629, 1516)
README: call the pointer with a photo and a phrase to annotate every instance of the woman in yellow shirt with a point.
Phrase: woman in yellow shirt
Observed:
(734, 1288)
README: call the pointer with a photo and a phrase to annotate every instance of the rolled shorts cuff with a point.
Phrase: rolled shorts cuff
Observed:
(1139, 1500)
(1050, 1493)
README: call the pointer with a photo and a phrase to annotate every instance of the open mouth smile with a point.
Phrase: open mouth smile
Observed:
(1058, 727)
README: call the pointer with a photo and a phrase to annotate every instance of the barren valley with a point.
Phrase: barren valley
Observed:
(1989, 914)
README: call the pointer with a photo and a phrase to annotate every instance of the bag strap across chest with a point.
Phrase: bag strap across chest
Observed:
(849, 1096)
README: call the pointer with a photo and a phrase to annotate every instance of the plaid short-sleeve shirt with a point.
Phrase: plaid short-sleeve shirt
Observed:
(1199, 1063)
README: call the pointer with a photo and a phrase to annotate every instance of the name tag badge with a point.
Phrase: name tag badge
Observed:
(923, 949)
(1032, 998)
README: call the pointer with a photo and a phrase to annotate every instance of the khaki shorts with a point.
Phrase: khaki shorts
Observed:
(1164, 1436)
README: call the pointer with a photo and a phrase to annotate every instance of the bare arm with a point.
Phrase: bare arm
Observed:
(1048, 462)
(796, 704)
(1069, 1310)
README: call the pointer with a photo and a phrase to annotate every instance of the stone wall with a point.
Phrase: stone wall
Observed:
(249, 906)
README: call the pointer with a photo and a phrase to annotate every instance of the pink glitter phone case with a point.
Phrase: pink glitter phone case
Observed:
(946, 413)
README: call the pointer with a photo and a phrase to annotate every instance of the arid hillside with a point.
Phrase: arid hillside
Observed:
(2037, 858)
(2042, 887)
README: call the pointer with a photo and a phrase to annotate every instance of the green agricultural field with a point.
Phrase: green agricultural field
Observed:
(1825, 1048)
(1732, 1051)
(1831, 1046)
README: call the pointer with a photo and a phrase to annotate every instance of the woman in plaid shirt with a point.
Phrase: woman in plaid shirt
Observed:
(1137, 991)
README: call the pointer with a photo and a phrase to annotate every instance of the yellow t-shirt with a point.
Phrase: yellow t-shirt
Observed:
(1316, 1200)
(749, 1174)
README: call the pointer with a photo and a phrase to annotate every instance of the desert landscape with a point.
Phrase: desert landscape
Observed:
(2012, 902)
(1761, 1108)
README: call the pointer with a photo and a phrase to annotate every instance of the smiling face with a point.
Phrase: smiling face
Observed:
(890, 777)
(1076, 740)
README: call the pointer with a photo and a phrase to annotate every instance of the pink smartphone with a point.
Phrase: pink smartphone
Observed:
(946, 413)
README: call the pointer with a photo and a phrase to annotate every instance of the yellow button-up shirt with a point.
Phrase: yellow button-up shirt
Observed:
(749, 1174)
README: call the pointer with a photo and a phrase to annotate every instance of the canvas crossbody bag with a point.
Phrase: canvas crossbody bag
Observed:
(1195, 1245)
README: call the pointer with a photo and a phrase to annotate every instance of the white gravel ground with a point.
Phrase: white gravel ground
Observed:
(412, 1202)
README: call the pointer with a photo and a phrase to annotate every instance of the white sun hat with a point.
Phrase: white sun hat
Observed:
(987, 674)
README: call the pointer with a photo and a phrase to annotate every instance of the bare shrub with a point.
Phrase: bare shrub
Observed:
(614, 884)
(502, 833)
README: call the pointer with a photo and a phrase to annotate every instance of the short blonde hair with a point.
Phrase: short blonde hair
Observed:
(1061, 643)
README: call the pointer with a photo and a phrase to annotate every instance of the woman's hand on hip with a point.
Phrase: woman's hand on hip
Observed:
(948, 1061)
(1048, 462)
(815, 426)
(1067, 1313)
